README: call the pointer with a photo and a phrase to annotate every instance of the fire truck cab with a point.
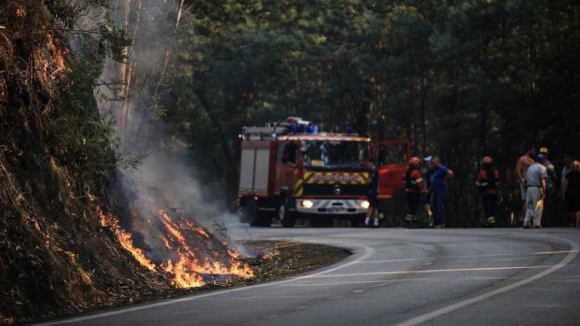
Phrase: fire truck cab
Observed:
(290, 171)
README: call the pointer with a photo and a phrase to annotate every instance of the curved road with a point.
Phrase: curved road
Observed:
(395, 277)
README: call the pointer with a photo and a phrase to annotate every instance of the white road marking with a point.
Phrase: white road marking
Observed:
(368, 253)
(437, 271)
(571, 255)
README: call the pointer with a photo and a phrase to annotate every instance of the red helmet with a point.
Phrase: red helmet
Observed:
(487, 160)
(414, 161)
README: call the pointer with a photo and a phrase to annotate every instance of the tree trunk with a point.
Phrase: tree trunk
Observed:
(129, 82)
(422, 110)
(124, 9)
(168, 52)
(364, 111)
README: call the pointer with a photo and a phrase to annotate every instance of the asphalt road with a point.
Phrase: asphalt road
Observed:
(395, 277)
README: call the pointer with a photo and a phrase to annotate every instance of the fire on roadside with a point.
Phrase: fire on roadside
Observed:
(186, 268)
(125, 238)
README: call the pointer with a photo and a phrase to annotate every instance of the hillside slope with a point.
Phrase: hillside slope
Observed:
(66, 243)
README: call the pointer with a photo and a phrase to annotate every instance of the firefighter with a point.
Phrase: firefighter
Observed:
(372, 197)
(414, 188)
(487, 184)
(427, 173)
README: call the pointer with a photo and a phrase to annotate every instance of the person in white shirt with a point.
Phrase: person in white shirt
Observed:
(535, 183)
(548, 210)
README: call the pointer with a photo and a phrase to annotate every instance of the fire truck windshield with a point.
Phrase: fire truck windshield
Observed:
(330, 155)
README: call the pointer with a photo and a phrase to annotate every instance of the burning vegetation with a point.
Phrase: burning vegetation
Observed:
(188, 265)
(67, 243)
(63, 247)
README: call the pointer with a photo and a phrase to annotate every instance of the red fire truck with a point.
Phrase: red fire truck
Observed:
(290, 171)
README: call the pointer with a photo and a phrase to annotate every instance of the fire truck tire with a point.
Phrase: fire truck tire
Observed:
(242, 211)
(251, 212)
(287, 219)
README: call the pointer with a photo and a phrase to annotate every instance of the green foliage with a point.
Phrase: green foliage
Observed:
(82, 139)
(461, 80)
(90, 19)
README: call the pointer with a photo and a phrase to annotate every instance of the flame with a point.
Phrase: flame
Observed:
(188, 263)
(276, 252)
(183, 276)
(185, 267)
(167, 244)
(107, 220)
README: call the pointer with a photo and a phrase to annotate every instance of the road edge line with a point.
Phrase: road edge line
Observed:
(574, 247)
(368, 253)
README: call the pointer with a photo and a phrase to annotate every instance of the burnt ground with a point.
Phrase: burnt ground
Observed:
(274, 261)
(290, 258)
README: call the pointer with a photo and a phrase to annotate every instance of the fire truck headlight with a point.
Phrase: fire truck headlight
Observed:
(364, 204)
(306, 203)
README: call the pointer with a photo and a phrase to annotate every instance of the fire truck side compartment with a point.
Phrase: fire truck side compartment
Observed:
(254, 167)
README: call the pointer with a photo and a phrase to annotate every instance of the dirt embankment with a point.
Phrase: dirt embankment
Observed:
(56, 257)
(65, 242)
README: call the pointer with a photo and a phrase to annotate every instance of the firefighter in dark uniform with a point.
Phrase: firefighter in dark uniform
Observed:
(372, 197)
(414, 187)
(487, 184)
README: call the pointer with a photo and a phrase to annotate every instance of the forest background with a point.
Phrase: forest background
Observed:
(92, 89)
(459, 79)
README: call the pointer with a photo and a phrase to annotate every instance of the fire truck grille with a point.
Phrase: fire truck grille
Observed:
(330, 189)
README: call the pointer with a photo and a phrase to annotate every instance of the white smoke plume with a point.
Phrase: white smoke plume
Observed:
(163, 169)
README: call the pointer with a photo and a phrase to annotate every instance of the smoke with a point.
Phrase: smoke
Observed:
(163, 173)
(166, 174)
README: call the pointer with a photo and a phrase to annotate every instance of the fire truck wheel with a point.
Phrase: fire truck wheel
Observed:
(251, 212)
(242, 212)
(286, 218)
